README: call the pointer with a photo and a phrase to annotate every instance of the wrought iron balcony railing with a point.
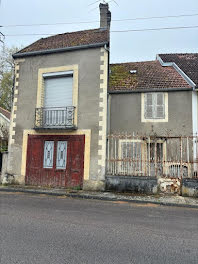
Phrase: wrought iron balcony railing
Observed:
(55, 117)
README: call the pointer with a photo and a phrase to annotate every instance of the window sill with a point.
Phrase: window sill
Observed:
(165, 120)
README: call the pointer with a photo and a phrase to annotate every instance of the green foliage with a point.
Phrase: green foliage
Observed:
(6, 76)
(121, 77)
(6, 90)
(77, 188)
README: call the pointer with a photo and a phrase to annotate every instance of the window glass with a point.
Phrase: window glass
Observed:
(48, 154)
(154, 106)
(61, 158)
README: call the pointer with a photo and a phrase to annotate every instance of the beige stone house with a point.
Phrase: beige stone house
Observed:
(59, 116)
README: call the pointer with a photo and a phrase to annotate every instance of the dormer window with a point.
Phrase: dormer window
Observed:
(133, 71)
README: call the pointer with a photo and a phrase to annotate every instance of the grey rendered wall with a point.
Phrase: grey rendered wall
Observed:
(125, 115)
(88, 99)
(190, 187)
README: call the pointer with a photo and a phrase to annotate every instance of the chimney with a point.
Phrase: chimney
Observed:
(105, 16)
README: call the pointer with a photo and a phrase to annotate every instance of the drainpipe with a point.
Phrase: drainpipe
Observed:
(108, 107)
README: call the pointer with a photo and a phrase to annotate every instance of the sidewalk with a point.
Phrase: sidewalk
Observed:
(167, 200)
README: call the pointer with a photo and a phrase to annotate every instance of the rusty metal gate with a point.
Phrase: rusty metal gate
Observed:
(168, 158)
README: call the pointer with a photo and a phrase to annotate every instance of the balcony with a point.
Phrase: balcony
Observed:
(55, 118)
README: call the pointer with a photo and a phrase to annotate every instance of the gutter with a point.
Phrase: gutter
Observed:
(43, 52)
(174, 65)
(150, 90)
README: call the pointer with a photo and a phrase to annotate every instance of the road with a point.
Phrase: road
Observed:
(45, 229)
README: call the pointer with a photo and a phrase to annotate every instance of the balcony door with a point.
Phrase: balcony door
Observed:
(58, 100)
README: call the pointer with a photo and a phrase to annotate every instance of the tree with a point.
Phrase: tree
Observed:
(6, 76)
(6, 90)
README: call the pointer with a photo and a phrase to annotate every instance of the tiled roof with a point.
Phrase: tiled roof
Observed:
(149, 75)
(66, 40)
(187, 62)
(4, 112)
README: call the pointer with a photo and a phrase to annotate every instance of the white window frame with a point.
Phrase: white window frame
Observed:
(145, 120)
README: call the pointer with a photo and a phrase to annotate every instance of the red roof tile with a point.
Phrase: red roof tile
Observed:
(149, 75)
(187, 62)
(5, 112)
(72, 39)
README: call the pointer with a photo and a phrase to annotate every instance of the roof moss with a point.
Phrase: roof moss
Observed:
(120, 75)
(146, 75)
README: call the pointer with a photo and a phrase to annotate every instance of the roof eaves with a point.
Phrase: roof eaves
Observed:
(48, 51)
(177, 68)
(145, 90)
(3, 116)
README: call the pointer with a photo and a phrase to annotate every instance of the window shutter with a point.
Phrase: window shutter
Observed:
(160, 111)
(148, 105)
(58, 91)
(132, 151)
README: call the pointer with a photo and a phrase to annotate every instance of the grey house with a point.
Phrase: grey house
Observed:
(152, 126)
(58, 125)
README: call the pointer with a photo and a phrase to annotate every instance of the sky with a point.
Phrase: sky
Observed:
(125, 47)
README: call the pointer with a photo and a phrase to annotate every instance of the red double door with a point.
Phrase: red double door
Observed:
(56, 161)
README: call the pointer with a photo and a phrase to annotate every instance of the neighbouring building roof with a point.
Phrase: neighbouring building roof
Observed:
(187, 62)
(148, 75)
(68, 40)
(4, 112)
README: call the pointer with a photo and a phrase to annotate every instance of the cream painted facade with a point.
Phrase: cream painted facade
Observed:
(90, 80)
(41, 87)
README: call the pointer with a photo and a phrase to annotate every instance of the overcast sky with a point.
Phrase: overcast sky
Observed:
(130, 46)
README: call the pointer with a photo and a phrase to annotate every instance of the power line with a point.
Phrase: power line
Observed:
(112, 1)
(2, 36)
(62, 23)
(155, 17)
(112, 31)
(115, 2)
(94, 3)
(87, 22)
(152, 29)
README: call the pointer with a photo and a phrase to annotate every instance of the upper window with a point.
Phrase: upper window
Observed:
(58, 91)
(155, 107)
(58, 105)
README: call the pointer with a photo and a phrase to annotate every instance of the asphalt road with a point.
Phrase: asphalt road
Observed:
(44, 229)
